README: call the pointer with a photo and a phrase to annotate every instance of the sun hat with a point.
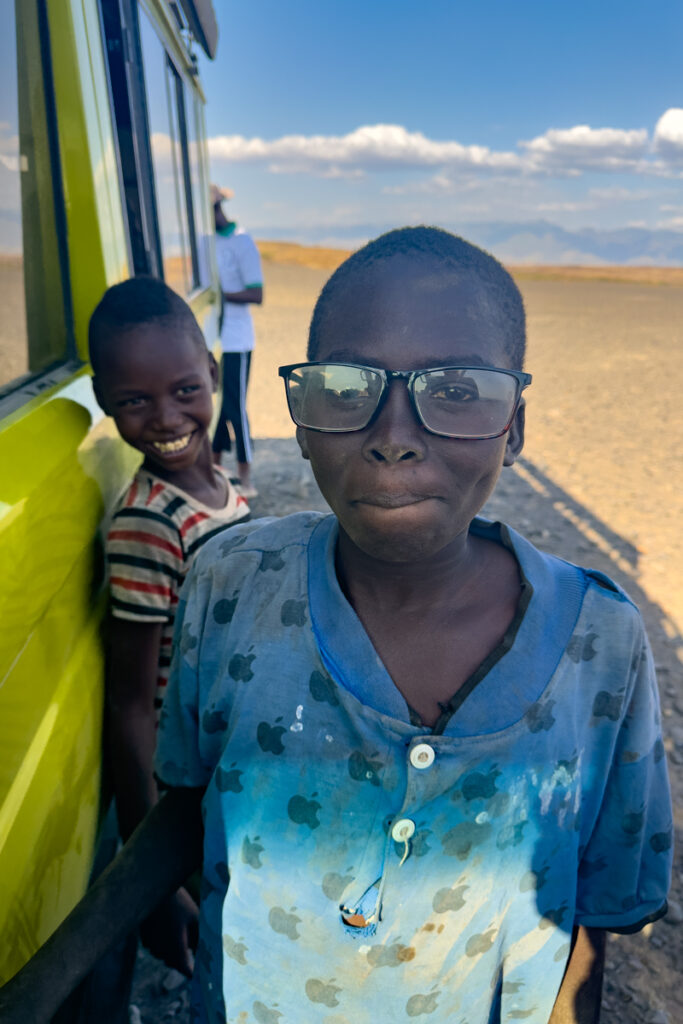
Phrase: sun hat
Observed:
(218, 194)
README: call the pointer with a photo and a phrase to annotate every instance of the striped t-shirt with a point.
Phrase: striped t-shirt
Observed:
(154, 535)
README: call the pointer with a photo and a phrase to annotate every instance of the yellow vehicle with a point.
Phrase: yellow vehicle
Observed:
(103, 174)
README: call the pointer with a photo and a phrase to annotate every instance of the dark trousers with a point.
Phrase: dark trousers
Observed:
(235, 366)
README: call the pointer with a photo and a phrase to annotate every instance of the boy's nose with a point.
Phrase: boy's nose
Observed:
(397, 434)
(166, 414)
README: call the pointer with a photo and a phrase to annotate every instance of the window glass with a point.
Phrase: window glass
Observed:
(13, 339)
(167, 159)
(32, 334)
(200, 190)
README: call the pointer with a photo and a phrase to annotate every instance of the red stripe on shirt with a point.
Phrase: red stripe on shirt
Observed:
(145, 588)
(132, 493)
(191, 521)
(146, 538)
(156, 489)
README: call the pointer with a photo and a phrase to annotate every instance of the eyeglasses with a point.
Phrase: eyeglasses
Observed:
(466, 402)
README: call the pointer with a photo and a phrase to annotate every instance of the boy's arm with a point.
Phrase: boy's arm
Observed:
(578, 1001)
(253, 294)
(164, 850)
(132, 668)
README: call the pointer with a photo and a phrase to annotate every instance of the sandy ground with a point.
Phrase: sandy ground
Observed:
(599, 484)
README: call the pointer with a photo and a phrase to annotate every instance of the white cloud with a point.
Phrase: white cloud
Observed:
(564, 152)
(439, 185)
(566, 206)
(162, 147)
(370, 147)
(618, 194)
(668, 136)
(426, 180)
(582, 148)
(671, 224)
(381, 147)
(558, 152)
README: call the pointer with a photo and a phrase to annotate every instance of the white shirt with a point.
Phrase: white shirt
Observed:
(239, 267)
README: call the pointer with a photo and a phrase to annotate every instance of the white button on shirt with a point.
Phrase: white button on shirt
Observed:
(422, 756)
(402, 830)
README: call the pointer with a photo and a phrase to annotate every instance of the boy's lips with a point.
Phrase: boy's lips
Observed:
(388, 499)
(172, 447)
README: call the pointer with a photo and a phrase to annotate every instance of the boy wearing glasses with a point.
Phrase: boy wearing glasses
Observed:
(429, 756)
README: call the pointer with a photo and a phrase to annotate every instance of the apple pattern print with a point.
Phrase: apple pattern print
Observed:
(608, 705)
(251, 852)
(420, 1003)
(293, 613)
(582, 647)
(228, 780)
(270, 737)
(446, 900)
(271, 560)
(239, 667)
(224, 610)
(264, 1014)
(540, 716)
(284, 923)
(333, 884)
(323, 689)
(390, 956)
(364, 769)
(214, 721)
(304, 812)
(322, 991)
(236, 950)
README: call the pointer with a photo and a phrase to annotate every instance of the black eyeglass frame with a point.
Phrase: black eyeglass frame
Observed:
(409, 377)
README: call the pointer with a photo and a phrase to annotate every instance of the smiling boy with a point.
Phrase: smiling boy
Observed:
(423, 796)
(155, 376)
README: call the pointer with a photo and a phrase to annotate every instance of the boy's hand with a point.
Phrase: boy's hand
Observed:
(171, 931)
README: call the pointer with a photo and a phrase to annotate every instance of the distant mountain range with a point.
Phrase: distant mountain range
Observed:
(524, 242)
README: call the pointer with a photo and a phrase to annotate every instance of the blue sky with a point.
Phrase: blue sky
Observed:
(332, 119)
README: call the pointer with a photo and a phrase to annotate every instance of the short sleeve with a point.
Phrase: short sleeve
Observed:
(250, 262)
(146, 565)
(178, 760)
(625, 871)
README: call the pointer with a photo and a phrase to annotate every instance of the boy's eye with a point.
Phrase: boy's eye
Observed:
(455, 393)
(188, 389)
(128, 403)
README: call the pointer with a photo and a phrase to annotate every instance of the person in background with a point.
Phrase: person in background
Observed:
(241, 280)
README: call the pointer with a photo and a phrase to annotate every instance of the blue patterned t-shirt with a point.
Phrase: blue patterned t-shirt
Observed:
(466, 853)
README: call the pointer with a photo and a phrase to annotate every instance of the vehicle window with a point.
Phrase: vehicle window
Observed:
(200, 190)
(164, 130)
(32, 324)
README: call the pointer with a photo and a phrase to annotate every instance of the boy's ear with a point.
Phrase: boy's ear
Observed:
(302, 442)
(515, 438)
(99, 396)
(213, 370)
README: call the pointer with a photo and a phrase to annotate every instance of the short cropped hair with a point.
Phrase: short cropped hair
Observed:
(453, 254)
(132, 304)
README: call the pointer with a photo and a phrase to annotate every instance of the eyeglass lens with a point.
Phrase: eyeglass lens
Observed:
(469, 403)
(472, 402)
